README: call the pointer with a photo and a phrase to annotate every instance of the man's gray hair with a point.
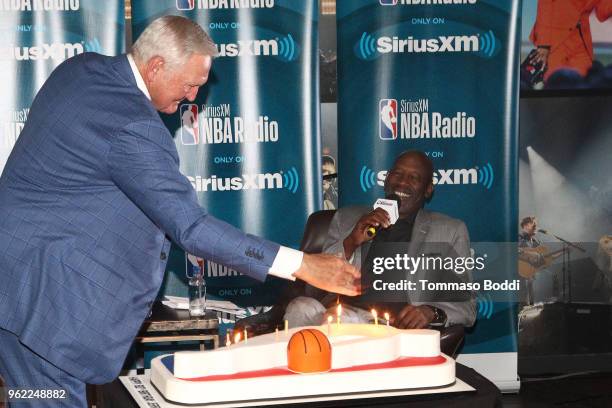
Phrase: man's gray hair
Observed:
(173, 38)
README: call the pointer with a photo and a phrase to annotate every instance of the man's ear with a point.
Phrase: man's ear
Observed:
(154, 68)
(429, 190)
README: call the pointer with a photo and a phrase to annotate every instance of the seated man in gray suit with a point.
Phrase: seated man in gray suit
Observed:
(410, 178)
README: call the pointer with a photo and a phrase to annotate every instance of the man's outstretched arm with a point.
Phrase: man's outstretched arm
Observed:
(143, 163)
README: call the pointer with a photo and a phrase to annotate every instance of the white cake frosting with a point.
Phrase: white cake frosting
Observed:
(352, 345)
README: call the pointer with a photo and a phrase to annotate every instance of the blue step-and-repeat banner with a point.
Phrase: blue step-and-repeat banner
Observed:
(250, 142)
(439, 77)
(35, 37)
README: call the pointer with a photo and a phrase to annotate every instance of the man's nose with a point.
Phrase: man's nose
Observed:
(191, 95)
(402, 182)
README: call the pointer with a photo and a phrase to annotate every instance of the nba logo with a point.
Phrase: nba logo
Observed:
(388, 2)
(185, 4)
(190, 130)
(388, 119)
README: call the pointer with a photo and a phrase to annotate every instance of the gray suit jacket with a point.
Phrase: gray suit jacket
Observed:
(429, 231)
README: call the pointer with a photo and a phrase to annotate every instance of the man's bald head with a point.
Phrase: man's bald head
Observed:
(419, 155)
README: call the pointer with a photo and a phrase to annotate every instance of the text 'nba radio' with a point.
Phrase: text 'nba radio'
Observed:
(215, 125)
(416, 121)
(223, 4)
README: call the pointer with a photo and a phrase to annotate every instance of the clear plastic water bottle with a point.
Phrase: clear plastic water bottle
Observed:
(197, 293)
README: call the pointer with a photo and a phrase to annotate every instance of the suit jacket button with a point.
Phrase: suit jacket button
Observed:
(163, 256)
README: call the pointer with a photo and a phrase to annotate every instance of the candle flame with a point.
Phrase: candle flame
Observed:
(374, 313)
(236, 337)
(387, 316)
(339, 310)
(329, 319)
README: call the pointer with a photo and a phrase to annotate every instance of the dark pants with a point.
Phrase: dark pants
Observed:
(24, 370)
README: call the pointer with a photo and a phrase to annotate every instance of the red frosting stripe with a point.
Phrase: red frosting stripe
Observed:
(272, 372)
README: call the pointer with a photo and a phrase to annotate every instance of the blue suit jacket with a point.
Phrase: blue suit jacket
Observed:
(88, 200)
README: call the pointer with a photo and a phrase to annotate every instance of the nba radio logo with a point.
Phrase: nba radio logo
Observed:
(190, 130)
(388, 119)
(388, 2)
(185, 4)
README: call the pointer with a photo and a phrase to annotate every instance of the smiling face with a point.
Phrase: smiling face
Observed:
(169, 86)
(411, 179)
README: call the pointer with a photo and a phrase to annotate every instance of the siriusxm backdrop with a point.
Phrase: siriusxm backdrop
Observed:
(250, 142)
(35, 37)
(439, 78)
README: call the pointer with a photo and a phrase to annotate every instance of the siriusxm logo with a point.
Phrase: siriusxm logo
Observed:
(477, 175)
(424, 2)
(482, 175)
(214, 124)
(223, 4)
(284, 48)
(368, 47)
(485, 306)
(289, 180)
(55, 51)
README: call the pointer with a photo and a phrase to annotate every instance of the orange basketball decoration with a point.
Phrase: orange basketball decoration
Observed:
(309, 351)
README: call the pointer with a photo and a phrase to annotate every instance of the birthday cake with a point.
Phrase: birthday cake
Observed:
(336, 359)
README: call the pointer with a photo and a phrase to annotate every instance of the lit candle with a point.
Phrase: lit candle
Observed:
(387, 318)
(375, 317)
(228, 342)
(246, 338)
(276, 334)
(338, 313)
(237, 337)
(286, 328)
(329, 320)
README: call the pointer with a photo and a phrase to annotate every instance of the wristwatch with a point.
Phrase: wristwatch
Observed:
(439, 319)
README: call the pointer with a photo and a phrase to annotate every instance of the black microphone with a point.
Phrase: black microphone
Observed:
(543, 231)
(391, 203)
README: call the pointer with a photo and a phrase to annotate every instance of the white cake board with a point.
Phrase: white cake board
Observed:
(146, 396)
(365, 358)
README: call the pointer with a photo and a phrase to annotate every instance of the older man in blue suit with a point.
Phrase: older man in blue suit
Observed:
(89, 200)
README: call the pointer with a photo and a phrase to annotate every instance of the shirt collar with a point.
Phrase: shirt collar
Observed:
(139, 81)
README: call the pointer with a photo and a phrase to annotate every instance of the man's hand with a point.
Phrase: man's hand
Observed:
(541, 56)
(376, 218)
(330, 273)
(413, 317)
